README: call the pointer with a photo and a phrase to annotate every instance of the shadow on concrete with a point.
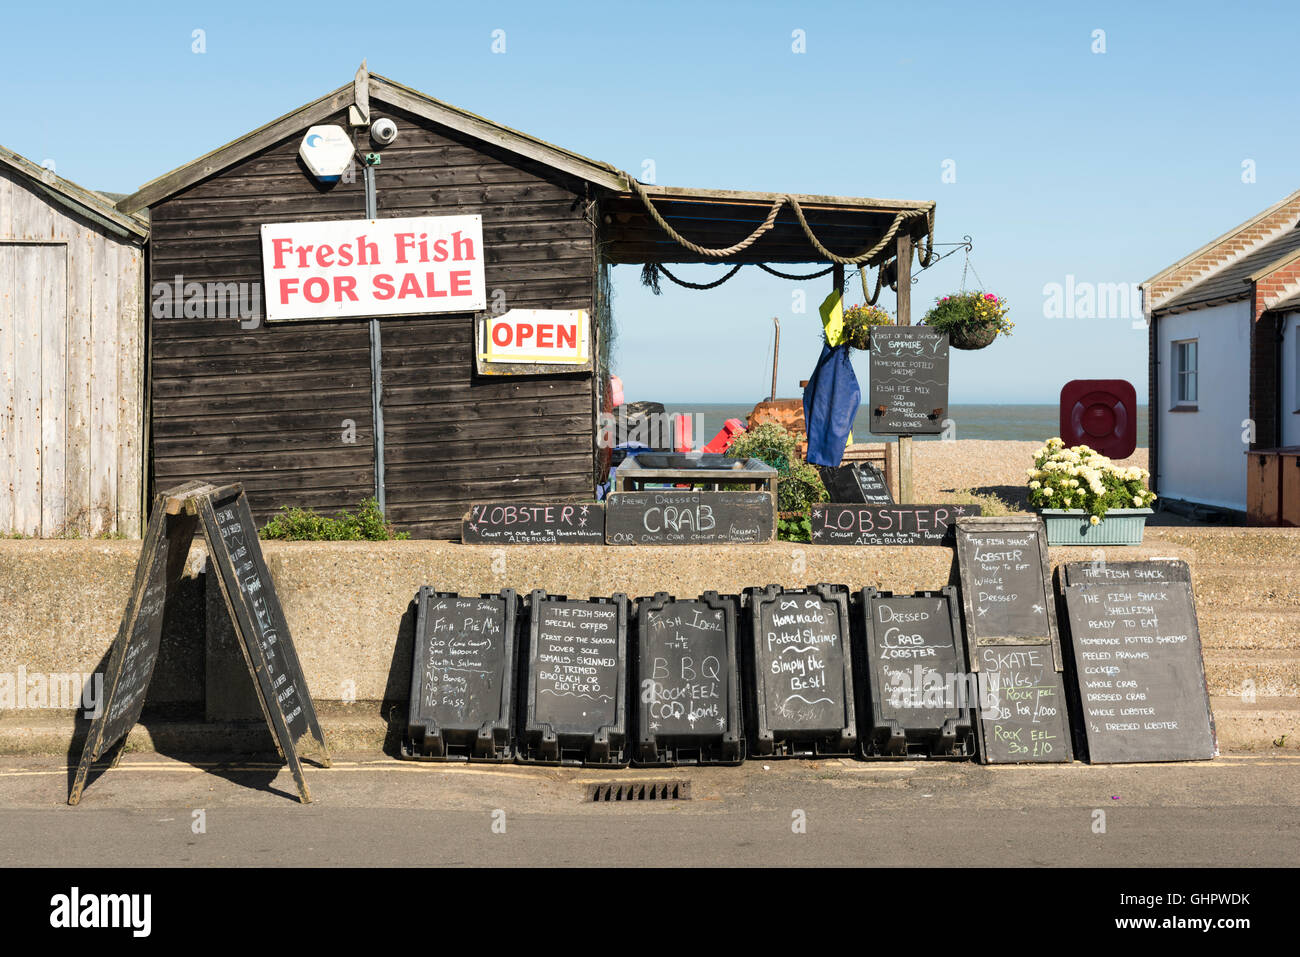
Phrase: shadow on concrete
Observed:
(173, 711)
(397, 689)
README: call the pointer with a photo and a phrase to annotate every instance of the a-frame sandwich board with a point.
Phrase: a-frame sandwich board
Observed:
(225, 520)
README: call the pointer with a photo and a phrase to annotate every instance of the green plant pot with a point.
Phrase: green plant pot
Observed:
(1070, 526)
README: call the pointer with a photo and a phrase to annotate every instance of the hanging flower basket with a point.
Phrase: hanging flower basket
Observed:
(972, 337)
(858, 323)
(971, 319)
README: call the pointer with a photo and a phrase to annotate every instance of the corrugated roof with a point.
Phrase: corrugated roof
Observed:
(1233, 281)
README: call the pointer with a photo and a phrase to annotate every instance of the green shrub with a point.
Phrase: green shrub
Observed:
(770, 442)
(798, 484)
(794, 529)
(304, 525)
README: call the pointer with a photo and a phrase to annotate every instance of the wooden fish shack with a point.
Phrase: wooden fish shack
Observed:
(72, 398)
(380, 294)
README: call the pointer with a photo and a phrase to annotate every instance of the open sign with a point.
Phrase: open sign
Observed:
(557, 336)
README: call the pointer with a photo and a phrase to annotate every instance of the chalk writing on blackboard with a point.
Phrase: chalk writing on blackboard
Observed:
(803, 671)
(687, 684)
(577, 680)
(908, 391)
(1137, 663)
(1024, 710)
(461, 677)
(533, 523)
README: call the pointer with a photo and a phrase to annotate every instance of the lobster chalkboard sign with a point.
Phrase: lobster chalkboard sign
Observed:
(1012, 640)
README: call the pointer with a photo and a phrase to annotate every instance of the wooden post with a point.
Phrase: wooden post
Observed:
(904, 284)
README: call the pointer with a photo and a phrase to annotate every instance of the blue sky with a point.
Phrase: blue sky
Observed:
(1068, 162)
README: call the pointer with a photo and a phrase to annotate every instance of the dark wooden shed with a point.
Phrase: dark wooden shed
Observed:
(286, 407)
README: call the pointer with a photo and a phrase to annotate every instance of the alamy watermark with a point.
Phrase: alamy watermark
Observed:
(66, 691)
(656, 430)
(920, 687)
(1074, 299)
(179, 299)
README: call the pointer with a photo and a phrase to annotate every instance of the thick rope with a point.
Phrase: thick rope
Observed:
(660, 268)
(867, 255)
(695, 247)
(785, 275)
(880, 282)
(924, 259)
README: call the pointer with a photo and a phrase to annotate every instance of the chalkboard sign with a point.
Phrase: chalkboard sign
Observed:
(860, 482)
(686, 682)
(1147, 572)
(837, 524)
(462, 678)
(1004, 575)
(672, 517)
(1023, 713)
(135, 650)
(236, 557)
(533, 523)
(1012, 640)
(1136, 655)
(917, 694)
(575, 701)
(909, 380)
(800, 673)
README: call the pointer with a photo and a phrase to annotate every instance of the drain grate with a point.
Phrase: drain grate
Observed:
(609, 791)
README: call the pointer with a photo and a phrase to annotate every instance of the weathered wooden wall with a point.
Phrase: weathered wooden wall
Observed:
(268, 406)
(71, 370)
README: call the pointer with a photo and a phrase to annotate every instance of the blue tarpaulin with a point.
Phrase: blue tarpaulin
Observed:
(830, 403)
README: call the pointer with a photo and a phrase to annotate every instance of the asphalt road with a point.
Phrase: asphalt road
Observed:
(1238, 810)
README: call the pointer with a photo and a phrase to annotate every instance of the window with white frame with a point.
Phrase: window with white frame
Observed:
(1184, 372)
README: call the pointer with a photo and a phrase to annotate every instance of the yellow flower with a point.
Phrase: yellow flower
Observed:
(1094, 520)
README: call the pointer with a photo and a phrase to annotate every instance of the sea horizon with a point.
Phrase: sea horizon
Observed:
(1005, 421)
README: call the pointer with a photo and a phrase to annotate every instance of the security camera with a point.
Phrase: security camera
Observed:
(383, 131)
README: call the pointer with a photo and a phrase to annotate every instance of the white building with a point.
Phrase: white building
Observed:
(1224, 348)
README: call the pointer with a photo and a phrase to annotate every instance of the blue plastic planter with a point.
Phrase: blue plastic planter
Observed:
(1071, 526)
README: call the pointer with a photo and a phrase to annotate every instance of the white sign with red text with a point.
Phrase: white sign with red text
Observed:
(373, 267)
(535, 335)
